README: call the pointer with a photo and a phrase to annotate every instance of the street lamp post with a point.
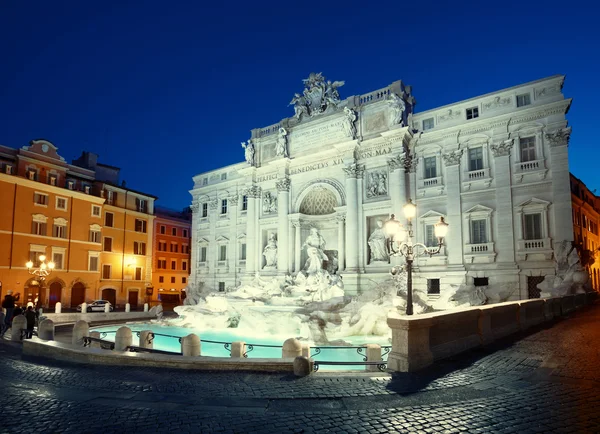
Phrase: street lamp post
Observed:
(41, 271)
(397, 246)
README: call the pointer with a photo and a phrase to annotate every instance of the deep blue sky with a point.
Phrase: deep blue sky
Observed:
(169, 89)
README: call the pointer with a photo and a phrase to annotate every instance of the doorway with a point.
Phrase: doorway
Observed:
(77, 294)
(55, 294)
(532, 283)
(110, 294)
(133, 299)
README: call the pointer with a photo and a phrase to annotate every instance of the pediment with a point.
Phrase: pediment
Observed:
(222, 239)
(432, 214)
(60, 221)
(203, 241)
(44, 148)
(241, 237)
(535, 202)
(39, 218)
(95, 227)
(479, 209)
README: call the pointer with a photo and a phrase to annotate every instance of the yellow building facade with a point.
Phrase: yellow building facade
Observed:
(586, 220)
(53, 208)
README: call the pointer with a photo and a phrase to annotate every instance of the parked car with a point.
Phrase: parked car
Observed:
(96, 306)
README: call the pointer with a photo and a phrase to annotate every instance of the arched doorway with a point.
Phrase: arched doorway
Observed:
(77, 294)
(55, 294)
(34, 293)
(110, 294)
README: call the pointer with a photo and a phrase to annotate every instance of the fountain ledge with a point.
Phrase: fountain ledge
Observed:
(69, 353)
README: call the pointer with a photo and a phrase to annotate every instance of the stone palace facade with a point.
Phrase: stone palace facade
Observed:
(495, 167)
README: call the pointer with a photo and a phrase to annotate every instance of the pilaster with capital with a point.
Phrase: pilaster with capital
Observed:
(353, 172)
(232, 248)
(561, 183)
(397, 183)
(194, 242)
(283, 198)
(252, 249)
(504, 208)
(297, 245)
(454, 242)
(341, 218)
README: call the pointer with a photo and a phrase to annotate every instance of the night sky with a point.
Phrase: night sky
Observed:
(168, 89)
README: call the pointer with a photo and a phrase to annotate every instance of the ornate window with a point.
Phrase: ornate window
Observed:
(480, 246)
(38, 226)
(60, 228)
(94, 236)
(426, 235)
(534, 232)
(319, 201)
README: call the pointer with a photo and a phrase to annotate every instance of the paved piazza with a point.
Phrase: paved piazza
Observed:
(546, 382)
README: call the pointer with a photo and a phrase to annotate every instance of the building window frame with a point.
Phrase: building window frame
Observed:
(96, 256)
(428, 124)
(39, 224)
(40, 199)
(141, 226)
(107, 247)
(59, 228)
(523, 99)
(106, 271)
(472, 112)
(95, 234)
(107, 219)
(96, 211)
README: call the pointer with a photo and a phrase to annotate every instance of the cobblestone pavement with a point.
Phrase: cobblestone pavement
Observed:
(548, 381)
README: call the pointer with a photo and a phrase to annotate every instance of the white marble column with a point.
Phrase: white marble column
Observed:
(194, 243)
(232, 249)
(505, 245)
(253, 195)
(297, 247)
(454, 242)
(397, 184)
(341, 245)
(561, 184)
(361, 237)
(283, 199)
(352, 257)
(213, 248)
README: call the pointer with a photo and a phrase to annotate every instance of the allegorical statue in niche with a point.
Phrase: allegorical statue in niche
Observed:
(281, 144)
(348, 122)
(249, 152)
(270, 251)
(269, 203)
(397, 107)
(314, 244)
(377, 244)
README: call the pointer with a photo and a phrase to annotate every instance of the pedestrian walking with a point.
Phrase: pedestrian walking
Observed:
(30, 315)
(9, 305)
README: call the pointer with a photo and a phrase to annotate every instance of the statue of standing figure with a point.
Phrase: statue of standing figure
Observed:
(314, 244)
(281, 145)
(377, 244)
(270, 251)
(348, 122)
(397, 107)
(249, 152)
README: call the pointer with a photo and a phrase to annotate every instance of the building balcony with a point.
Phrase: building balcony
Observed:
(477, 178)
(540, 249)
(481, 253)
(430, 182)
(535, 169)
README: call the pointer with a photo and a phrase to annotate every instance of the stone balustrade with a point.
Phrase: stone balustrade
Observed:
(419, 340)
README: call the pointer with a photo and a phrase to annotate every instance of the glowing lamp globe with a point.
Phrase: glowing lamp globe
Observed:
(42, 257)
(51, 265)
(29, 264)
(441, 228)
(410, 210)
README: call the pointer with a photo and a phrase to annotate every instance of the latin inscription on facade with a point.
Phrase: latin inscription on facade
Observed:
(317, 136)
(316, 166)
(268, 177)
(374, 153)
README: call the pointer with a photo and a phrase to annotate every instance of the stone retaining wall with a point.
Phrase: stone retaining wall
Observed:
(91, 317)
(419, 340)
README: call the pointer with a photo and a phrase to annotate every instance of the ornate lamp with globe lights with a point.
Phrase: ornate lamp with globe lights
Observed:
(43, 270)
(396, 234)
